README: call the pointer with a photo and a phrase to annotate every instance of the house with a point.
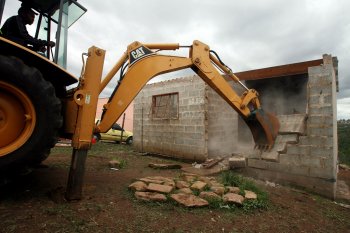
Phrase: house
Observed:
(185, 118)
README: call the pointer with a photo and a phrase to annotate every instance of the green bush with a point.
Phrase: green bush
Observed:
(229, 178)
(344, 142)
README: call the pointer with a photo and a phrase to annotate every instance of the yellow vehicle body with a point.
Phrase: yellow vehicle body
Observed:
(116, 134)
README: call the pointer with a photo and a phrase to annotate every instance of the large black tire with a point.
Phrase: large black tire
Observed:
(47, 109)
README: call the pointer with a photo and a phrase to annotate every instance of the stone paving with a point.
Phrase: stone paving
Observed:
(189, 190)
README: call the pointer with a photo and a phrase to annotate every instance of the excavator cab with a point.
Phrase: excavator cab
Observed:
(54, 19)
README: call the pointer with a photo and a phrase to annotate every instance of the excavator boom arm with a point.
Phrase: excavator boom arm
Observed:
(144, 64)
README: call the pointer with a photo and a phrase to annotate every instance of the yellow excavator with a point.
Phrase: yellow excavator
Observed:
(36, 108)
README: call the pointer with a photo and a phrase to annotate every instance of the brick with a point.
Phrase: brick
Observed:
(321, 110)
(289, 159)
(300, 170)
(320, 120)
(190, 129)
(277, 167)
(282, 141)
(298, 149)
(266, 165)
(314, 90)
(322, 131)
(310, 161)
(320, 74)
(320, 99)
(324, 173)
(323, 151)
(316, 140)
(237, 162)
(257, 164)
(270, 156)
(292, 123)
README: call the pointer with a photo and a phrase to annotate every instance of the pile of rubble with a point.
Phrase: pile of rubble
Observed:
(189, 190)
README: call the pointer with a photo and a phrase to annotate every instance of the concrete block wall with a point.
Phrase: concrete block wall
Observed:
(206, 128)
(222, 126)
(310, 161)
(185, 137)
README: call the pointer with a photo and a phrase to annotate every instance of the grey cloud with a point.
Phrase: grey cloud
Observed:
(246, 34)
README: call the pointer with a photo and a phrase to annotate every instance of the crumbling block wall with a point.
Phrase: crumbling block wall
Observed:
(185, 137)
(306, 151)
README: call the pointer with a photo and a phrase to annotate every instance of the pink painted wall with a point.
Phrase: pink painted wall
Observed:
(129, 114)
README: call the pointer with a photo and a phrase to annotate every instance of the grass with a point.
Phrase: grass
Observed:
(229, 178)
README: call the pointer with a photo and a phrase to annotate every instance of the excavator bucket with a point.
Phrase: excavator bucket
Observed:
(264, 127)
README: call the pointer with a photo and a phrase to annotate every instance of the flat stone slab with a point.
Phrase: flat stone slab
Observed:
(182, 184)
(138, 186)
(233, 198)
(164, 166)
(185, 190)
(198, 185)
(189, 200)
(220, 190)
(231, 189)
(160, 188)
(249, 195)
(150, 196)
(148, 181)
(156, 179)
(209, 195)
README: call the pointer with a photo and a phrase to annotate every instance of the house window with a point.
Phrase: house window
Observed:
(165, 106)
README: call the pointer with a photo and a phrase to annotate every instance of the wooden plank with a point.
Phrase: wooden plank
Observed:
(278, 71)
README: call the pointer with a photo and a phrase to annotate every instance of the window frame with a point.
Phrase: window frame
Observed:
(169, 115)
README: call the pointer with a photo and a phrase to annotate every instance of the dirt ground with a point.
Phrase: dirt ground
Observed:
(35, 203)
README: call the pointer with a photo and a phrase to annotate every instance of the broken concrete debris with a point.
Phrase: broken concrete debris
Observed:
(237, 162)
(211, 162)
(189, 190)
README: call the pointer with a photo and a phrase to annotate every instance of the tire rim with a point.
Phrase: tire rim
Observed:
(17, 118)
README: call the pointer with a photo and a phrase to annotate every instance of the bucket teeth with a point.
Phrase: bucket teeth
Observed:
(264, 127)
(263, 147)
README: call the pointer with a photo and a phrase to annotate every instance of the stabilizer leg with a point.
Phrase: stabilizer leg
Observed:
(76, 175)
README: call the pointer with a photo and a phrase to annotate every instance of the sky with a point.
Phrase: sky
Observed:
(247, 35)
